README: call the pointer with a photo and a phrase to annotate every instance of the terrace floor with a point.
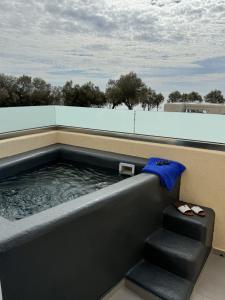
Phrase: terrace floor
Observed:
(210, 285)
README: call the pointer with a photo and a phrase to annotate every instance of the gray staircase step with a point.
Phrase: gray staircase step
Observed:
(195, 227)
(176, 253)
(159, 282)
(174, 256)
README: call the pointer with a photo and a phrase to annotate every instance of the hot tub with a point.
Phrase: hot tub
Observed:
(58, 241)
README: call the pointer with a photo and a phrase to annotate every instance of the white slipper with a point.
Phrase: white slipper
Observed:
(198, 210)
(183, 208)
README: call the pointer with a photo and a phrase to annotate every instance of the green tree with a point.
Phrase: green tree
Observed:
(152, 100)
(194, 97)
(41, 93)
(175, 97)
(8, 91)
(128, 89)
(184, 97)
(149, 101)
(91, 95)
(67, 92)
(24, 90)
(4, 97)
(113, 94)
(33, 91)
(56, 95)
(215, 96)
(84, 96)
(158, 100)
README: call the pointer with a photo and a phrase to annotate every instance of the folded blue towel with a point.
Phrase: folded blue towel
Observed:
(167, 170)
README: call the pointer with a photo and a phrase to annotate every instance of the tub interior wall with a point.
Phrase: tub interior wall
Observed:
(15, 164)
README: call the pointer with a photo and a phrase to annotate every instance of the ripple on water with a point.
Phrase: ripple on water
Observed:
(34, 191)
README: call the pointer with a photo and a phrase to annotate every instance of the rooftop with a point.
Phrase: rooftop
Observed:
(40, 134)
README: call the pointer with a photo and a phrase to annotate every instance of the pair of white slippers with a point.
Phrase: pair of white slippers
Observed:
(188, 209)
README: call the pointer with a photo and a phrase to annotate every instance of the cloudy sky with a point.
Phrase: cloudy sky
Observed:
(171, 44)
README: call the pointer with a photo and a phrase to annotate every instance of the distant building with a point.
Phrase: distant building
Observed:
(195, 108)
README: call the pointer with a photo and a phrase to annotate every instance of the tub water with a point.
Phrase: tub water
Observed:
(33, 191)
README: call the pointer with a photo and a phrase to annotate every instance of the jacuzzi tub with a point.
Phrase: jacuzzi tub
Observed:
(81, 248)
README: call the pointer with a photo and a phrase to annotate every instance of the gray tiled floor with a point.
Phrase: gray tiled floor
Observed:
(211, 283)
(124, 293)
(210, 286)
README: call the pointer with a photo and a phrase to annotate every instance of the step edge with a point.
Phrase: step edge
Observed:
(195, 223)
(174, 233)
(141, 291)
(149, 242)
(172, 251)
(145, 261)
(140, 287)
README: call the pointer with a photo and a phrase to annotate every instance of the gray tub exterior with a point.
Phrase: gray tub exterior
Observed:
(82, 248)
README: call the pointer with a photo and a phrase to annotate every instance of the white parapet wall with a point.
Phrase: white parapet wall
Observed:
(24, 118)
(96, 118)
(195, 127)
(188, 126)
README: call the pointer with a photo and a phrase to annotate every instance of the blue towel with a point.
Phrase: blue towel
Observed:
(167, 170)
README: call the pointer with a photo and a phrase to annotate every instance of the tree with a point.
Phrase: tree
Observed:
(4, 97)
(56, 95)
(158, 100)
(191, 97)
(33, 91)
(215, 96)
(24, 90)
(184, 97)
(194, 97)
(149, 100)
(175, 97)
(152, 100)
(84, 96)
(8, 91)
(67, 92)
(41, 93)
(128, 89)
(90, 95)
(113, 94)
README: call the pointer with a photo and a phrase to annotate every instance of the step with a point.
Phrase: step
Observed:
(159, 282)
(195, 227)
(176, 253)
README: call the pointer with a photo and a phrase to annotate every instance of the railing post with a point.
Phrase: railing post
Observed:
(134, 127)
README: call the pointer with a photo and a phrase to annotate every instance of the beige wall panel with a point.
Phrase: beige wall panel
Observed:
(17, 145)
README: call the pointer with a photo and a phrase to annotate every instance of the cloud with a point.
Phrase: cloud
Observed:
(161, 40)
(211, 65)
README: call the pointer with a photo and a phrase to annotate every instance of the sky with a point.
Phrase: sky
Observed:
(170, 44)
